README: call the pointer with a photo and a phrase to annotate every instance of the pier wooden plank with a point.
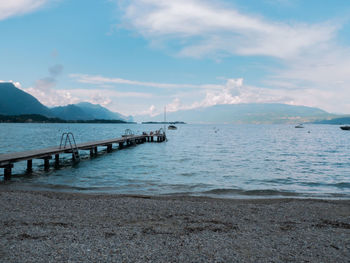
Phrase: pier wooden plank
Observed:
(9, 158)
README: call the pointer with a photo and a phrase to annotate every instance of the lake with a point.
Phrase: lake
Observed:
(230, 161)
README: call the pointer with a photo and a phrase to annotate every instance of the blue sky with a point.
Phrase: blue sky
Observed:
(135, 57)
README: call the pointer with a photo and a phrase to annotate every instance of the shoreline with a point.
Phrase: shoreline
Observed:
(45, 226)
(230, 194)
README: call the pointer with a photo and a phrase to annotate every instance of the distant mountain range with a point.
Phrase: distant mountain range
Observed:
(335, 121)
(254, 113)
(37, 118)
(14, 101)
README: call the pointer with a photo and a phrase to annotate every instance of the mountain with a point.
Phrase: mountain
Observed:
(99, 112)
(87, 111)
(71, 112)
(335, 121)
(255, 113)
(14, 101)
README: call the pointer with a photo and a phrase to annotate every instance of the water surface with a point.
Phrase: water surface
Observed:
(211, 160)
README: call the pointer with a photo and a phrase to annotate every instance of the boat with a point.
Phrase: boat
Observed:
(345, 128)
(299, 126)
(172, 127)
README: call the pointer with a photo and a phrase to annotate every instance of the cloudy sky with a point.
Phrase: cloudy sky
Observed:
(136, 56)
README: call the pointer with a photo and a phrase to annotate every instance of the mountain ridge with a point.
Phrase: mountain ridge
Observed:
(249, 113)
(11, 98)
(14, 101)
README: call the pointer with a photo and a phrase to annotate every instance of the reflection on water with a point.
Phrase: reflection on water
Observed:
(220, 160)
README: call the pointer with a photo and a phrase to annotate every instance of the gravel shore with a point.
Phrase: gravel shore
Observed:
(66, 227)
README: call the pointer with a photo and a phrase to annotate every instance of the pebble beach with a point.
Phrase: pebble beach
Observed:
(39, 226)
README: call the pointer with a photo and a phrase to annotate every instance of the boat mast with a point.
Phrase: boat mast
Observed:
(164, 117)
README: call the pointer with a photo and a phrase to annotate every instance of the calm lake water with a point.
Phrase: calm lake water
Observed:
(211, 160)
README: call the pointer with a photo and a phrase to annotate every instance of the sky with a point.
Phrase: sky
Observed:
(138, 56)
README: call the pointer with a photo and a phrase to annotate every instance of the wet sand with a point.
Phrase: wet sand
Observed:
(66, 227)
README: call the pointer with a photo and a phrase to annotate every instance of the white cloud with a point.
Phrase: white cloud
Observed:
(211, 29)
(311, 62)
(232, 92)
(48, 95)
(44, 90)
(100, 80)
(9, 8)
(107, 93)
(151, 111)
(175, 105)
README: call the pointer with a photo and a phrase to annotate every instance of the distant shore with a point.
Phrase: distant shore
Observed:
(37, 118)
(163, 122)
(61, 227)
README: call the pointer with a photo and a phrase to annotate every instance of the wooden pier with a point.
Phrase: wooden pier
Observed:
(7, 160)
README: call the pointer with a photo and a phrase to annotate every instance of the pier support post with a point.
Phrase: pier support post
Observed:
(152, 139)
(47, 163)
(91, 152)
(95, 150)
(7, 171)
(121, 145)
(57, 160)
(29, 166)
(109, 147)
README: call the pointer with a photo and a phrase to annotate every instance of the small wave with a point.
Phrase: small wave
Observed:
(263, 192)
(187, 174)
(342, 185)
(68, 187)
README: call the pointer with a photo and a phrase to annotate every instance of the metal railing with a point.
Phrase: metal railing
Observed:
(128, 133)
(69, 137)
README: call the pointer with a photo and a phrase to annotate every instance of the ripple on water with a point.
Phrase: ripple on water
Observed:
(239, 160)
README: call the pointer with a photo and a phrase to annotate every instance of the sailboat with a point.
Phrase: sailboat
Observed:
(172, 127)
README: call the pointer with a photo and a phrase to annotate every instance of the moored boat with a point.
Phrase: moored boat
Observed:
(172, 127)
(345, 128)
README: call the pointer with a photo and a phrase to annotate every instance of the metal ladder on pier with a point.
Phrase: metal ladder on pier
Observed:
(128, 133)
(69, 137)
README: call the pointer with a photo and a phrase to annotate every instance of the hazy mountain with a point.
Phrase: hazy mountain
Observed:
(99, 112)
(335, 121)
(14, 101)
(71, 112)
(87, 111)
(246, 113)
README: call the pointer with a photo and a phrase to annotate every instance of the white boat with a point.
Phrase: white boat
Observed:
(299, 126)
(172, 127)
